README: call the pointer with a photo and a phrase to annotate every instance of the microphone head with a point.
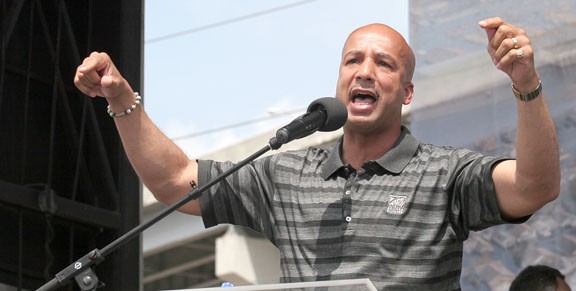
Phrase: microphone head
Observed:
(336, 113)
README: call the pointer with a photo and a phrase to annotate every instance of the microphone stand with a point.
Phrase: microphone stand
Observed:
(82, 271)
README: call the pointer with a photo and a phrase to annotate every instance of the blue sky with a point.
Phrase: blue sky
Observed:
(213, 64)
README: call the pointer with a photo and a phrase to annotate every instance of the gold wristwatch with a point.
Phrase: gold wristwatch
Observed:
(529, 96)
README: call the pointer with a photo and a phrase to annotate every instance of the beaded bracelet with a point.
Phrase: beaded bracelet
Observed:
(127, 111)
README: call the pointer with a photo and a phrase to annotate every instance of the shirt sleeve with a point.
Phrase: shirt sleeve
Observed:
(244, 198)
(473, 197)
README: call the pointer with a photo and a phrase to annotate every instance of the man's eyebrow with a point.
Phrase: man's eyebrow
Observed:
(386, 56)
(353, 52)
(379, 55)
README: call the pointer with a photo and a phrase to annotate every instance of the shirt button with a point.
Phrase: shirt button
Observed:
(347, 192)
(348, 218)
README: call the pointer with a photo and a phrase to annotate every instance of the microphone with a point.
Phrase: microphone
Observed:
(324, 114)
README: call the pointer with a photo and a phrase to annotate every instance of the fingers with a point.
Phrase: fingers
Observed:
(513, 48)
(96, 61)
(87, 77)
(87, 83)
(498, 30)
(506, 42)
(511, 51)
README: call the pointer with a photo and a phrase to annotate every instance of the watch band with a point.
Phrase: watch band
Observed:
(529, 96)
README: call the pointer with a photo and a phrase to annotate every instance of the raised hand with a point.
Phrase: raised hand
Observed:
(511, 51)
(98, 76)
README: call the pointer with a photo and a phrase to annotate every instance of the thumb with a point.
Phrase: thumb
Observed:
(107, 81)
(111, 86)
(490, 31)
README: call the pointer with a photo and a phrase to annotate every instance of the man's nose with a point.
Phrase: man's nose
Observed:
(366, 70)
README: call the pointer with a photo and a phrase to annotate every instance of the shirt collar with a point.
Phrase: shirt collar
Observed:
(397, 158)
(394, 161)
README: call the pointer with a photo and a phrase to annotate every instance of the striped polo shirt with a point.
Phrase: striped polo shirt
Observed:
(400, 220)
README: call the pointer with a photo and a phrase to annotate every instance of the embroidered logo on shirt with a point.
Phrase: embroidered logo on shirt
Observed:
(396, 204)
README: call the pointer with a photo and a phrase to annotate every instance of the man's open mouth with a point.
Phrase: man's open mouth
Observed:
(363, 99)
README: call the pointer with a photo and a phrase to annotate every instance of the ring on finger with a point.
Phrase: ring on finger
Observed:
(515, 42)
(519, 54)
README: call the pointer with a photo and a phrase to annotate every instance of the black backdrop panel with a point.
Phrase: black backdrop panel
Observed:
(66, 186)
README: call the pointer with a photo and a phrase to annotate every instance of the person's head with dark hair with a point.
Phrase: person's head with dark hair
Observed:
(539, 278)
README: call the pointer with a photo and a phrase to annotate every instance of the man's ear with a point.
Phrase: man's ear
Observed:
(408, 93)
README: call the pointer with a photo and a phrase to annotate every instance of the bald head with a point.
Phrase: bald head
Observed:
(401, 47)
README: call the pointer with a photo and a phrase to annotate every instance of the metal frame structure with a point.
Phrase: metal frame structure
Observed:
(66, 185)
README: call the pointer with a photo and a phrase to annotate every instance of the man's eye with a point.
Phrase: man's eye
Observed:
(352, 61)
(384, 64)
